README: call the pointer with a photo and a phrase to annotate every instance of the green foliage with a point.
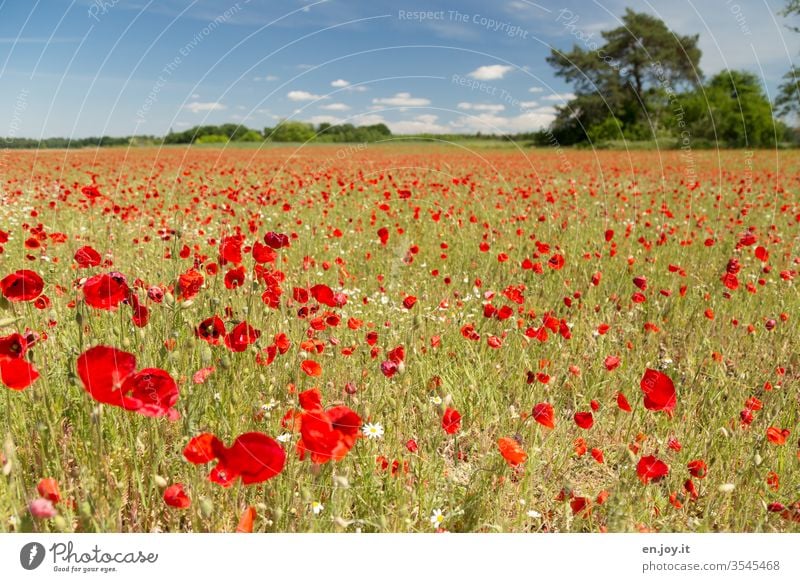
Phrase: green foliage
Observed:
(608, 129)
(731, 110)
(291, 131)
(628, 76)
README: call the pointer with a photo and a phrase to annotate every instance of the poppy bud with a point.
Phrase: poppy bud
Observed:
(306, 494)
(341, 481)
(85, 510)
(757, 460)
(60, 523)
(160, 482)
(206, 507)
(350, 388)
(726, 488)
(126, 343)
(187, 304)
(206, 355)
(169, 300)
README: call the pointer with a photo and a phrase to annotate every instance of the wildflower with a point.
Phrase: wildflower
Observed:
(372, 430)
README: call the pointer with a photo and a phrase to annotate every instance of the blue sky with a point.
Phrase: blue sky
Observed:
(119, 67)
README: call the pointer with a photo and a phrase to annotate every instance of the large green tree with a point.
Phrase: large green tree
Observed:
(787, 101)
(629, 75)
(732, 110)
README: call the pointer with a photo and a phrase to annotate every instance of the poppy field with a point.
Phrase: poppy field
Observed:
(404, 338)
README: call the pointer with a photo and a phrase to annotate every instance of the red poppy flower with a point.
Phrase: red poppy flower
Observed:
(310, 399)
(13, 346)
(389, 368)
(151, 392)
(659, 391)
(328, 435)
(176, 497)
(22, 285)
(263, 253)
(383, 235)
(697, 468)
(241, 336)
(556, 262)
(512, 451)
(323, 294)
(247, 520)
(106, 291)
(17, 373)
(276, 240)
(622, 402)
(230, 249)
(202, 449)
(778, 436)
(48, 488)
(651, 469)
(189, 284)
(409, 302)
(611, 362)
(211, 330)
(585, 420)
(109, 376)
(451, 421)
(87, 257)
(543, 414)
(254, 457)
(235, 277)
(311, 368)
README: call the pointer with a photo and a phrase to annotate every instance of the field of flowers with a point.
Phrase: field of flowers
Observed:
(399, 339)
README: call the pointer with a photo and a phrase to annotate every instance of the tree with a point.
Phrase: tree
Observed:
(787, 101)
(732, 110)
(629, 75)
(292, 131)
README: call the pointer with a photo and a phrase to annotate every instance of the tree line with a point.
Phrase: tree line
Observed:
(643, 82)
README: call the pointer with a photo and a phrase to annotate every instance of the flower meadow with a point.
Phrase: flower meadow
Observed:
(406, 338)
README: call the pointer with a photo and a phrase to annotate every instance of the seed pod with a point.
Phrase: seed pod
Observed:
(206, 507)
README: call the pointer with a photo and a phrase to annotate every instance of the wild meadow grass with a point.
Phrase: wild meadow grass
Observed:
(460, 226)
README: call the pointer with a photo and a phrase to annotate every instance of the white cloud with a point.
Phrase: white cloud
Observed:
(535, 89)
(198, 107)
(419, 124)
(490, 72)
(368, 119)
(490, 123)
(267, 78)
(492, 108)
(560, 97)
(335, 107)
(340, 83)
(528, 104)
(303, 96)
(317, 119)
(402, 100)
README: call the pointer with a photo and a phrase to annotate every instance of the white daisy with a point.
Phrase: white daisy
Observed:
(372, 430)
(317, 507)
(437, 518)
(436, 400)
(534, 514)
(284, 438)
